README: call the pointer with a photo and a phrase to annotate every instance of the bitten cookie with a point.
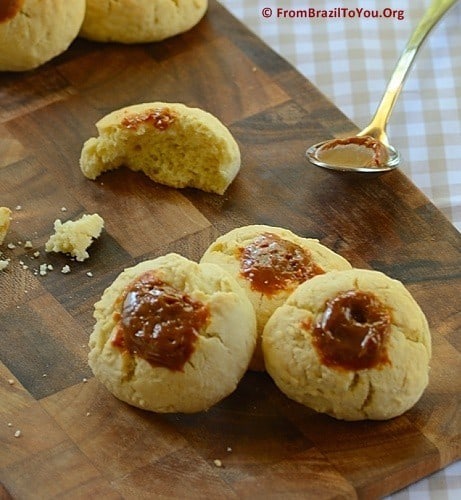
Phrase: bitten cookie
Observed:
(34, 31)
(353, 344)
(269, 263)
(172, 335)
(170, 142)
(140, 21)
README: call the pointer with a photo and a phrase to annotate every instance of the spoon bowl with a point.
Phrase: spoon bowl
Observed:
(374, 135)
(393, 161)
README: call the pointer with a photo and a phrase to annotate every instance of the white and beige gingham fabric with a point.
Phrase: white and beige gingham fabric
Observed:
(350, 57)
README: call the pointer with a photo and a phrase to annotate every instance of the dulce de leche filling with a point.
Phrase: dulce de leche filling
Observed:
(352, 331)
(159, 323)
(271, 263)
(353, 152)
(9, 9)
(160, 118)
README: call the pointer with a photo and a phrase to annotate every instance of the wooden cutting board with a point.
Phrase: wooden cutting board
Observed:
(76, 440)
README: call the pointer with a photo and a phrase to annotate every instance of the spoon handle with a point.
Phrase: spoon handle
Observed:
(377, 126)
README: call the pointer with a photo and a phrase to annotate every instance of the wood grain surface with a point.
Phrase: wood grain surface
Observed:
(76, 440)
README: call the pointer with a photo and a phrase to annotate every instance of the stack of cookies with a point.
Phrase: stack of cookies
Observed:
(176, 336)
(34, 31)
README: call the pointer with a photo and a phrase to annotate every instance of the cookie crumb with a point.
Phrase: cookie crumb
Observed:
(90, 274)
(42, 270)
(10, 381)
(18, 207)
(65, 269)
(17, 433)
(74, 237)
(217, 462)
(229, 449)
(4, 264)
(11, 246)
(28, 244)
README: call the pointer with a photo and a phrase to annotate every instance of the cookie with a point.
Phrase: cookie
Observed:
(34, 31)
(353, 344)
(171, 143)
(5, 220)
(269, 263)
(140, 21)
(172, 335)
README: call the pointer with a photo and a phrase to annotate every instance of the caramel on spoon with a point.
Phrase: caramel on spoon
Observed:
(369, 150)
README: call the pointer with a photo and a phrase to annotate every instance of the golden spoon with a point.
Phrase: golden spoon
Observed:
(369, 150)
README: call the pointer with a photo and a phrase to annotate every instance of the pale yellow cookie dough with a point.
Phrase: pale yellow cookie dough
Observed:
(222, 350)
(34, 31)
(171, 143)
(226, 252)
(140, 21)
(74, 237)
(5, 220)
(379, 390)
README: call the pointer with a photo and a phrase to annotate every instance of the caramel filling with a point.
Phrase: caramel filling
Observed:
(271, 264)
(160, 323)
(352, 331)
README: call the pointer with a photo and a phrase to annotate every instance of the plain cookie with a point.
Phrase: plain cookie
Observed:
(170, 142)
(140, 21)
(34, 31)
(353, 344)
(172, 335)
(5, 220)
(269, 263)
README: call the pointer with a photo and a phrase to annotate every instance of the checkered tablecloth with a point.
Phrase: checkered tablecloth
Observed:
(350, 58)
